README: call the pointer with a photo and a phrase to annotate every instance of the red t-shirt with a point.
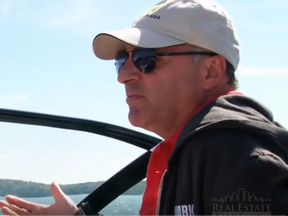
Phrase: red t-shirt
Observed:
(158, 164)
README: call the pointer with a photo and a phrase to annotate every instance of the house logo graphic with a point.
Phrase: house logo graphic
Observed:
(241, 202)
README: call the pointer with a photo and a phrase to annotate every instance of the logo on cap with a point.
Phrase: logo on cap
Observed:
(148, 13)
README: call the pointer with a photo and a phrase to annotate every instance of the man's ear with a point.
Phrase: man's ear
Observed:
(215, 71)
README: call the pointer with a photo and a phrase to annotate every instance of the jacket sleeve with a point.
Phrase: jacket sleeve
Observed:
(241, 174)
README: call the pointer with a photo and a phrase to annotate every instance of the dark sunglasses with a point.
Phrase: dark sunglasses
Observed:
(145, 59)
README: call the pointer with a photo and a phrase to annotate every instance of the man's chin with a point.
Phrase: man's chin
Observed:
(136, 119)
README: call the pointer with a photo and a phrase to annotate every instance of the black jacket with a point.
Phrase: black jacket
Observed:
(231, 158)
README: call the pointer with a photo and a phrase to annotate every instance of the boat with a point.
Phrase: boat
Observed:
(121, 181)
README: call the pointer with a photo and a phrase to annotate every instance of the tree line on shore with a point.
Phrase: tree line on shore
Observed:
(30, 189)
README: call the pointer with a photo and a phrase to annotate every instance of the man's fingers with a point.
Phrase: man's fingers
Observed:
(16, 209)
(21, 203)
(3, 204)
(7, 211)
(19, 211)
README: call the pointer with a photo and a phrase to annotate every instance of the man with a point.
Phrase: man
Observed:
(222, 151)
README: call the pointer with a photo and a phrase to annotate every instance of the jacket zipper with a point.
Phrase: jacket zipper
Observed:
(159, 194)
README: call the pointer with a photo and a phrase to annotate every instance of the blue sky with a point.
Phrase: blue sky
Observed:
(47, 65)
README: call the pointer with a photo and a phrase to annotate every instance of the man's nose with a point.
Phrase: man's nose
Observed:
(128, 72)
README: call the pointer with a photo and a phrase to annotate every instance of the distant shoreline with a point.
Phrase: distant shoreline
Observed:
(30, 189)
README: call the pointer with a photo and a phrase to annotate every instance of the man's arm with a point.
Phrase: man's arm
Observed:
(241, 174)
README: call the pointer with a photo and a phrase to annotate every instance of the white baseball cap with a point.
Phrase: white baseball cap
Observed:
(201, 23)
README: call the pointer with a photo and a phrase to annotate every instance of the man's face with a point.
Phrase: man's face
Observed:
(157, 99)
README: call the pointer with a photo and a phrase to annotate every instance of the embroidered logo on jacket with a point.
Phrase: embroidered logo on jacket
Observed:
(184, 210)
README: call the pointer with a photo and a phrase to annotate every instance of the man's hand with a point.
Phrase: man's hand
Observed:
(63, 205)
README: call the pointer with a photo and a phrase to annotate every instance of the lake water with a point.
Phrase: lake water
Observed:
(123, 205)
